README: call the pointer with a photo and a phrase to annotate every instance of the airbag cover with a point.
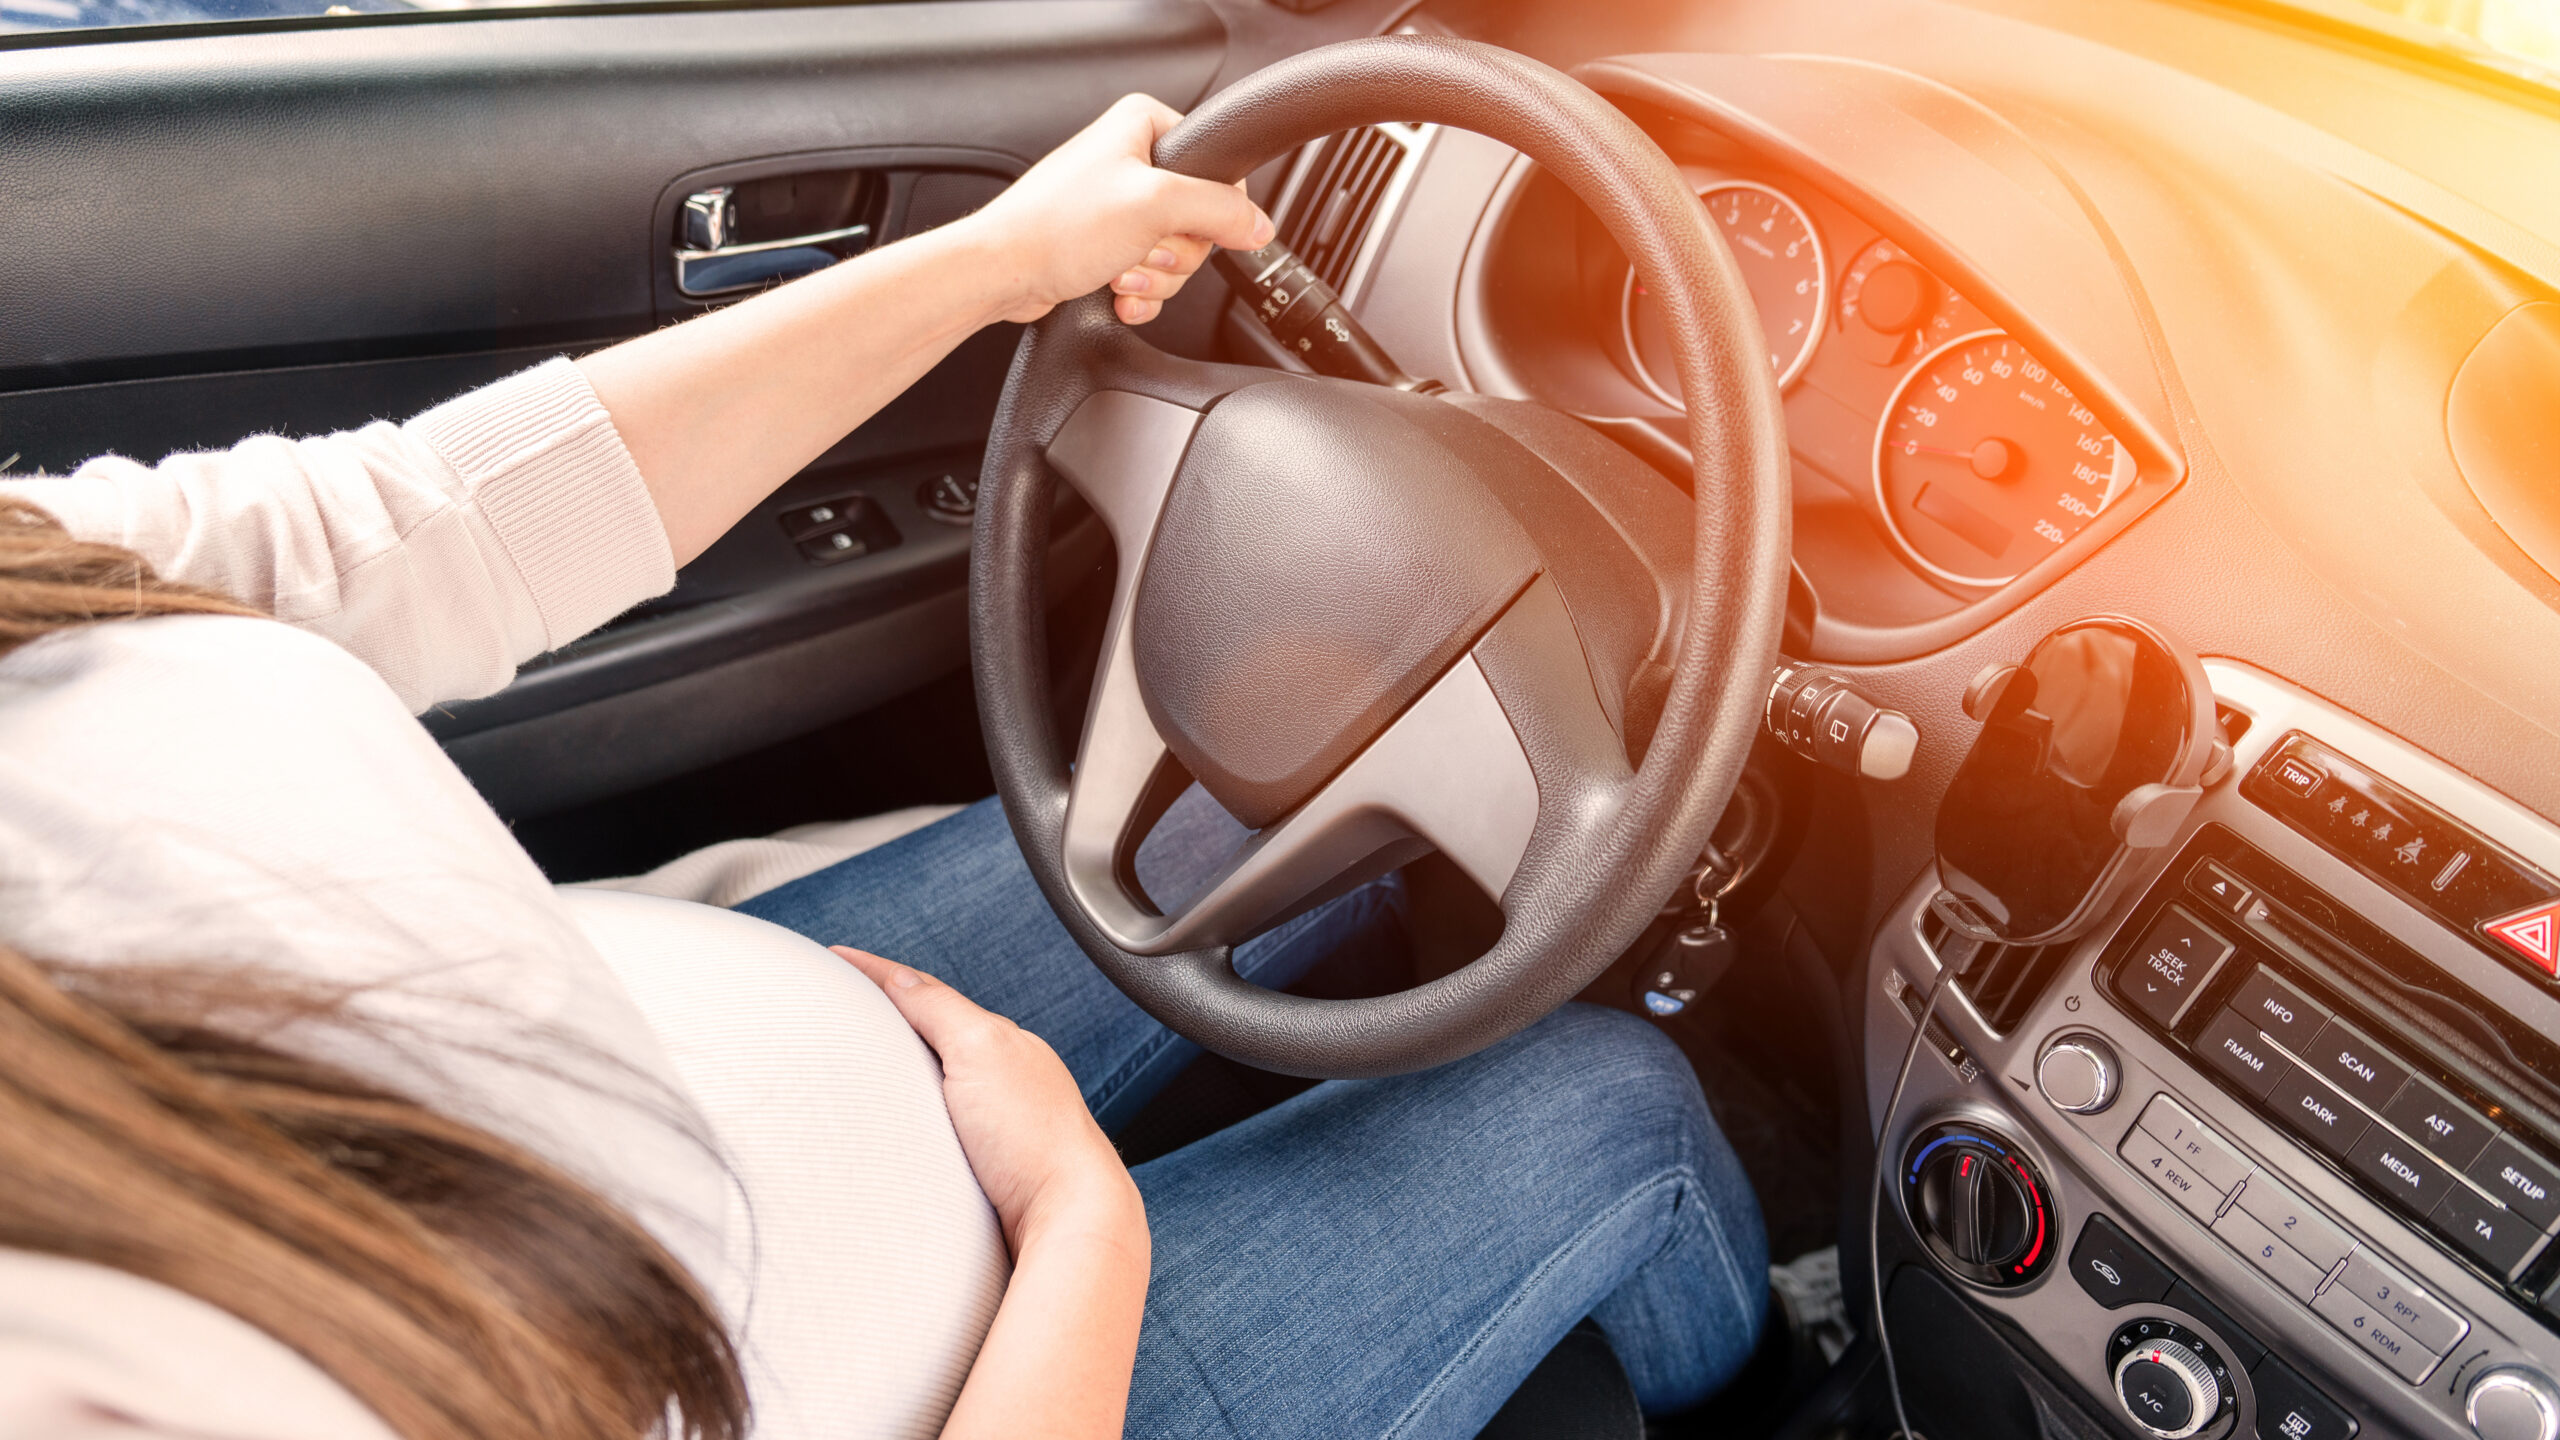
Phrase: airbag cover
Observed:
(1320, 561)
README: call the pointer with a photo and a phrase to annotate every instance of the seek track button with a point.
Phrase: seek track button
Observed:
(2176, 958)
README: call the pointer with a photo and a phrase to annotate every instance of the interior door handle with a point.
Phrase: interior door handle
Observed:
(711, 262)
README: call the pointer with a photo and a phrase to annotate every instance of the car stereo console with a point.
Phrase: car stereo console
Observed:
(2276, 1149)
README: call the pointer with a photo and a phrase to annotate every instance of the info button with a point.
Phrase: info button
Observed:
(2177, 956)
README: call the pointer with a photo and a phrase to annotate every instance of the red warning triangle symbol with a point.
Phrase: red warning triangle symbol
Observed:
(2534, 934)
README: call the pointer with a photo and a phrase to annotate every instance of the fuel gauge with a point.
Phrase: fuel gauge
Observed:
(1891, 308)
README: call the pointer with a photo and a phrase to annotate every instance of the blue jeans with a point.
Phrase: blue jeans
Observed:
(1372, 1257)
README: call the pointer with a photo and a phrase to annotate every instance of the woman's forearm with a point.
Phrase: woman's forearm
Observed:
(1056, 1363)
(719, 411)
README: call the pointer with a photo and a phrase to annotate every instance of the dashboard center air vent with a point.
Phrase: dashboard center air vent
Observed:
(1342, 187)
(2006, 982)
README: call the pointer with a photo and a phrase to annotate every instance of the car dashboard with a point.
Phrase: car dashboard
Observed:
(2063, 326)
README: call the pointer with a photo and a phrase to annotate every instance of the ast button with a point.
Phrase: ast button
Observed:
(2524, 1180)
(2233, 1046)
(2316, 1112)
(2356, 1065)
(2114, 1268)
(2291, 1018)
(2178, 954)
(2483, 1229)
(2391, 1162)
(2290, 1409)
(2455, 1131)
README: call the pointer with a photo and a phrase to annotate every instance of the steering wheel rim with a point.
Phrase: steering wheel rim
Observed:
(1603, 849)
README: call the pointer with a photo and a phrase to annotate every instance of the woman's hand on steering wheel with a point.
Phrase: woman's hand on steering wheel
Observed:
(1096, 211)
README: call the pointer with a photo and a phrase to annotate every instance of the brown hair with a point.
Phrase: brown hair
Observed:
(461, 1287)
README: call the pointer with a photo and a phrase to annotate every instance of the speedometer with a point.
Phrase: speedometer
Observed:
(1780, 256)
(1986, 462)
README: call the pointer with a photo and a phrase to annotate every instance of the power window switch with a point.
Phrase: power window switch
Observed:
(833, 546)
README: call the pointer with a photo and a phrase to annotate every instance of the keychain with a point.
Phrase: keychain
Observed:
(1695, 957)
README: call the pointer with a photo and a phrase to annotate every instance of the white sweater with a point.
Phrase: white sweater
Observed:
(216, 791)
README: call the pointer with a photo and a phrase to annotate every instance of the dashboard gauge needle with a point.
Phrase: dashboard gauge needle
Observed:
(1914, 447)
(1991, 459)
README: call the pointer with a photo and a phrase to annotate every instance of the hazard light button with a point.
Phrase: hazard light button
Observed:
(2533, 934)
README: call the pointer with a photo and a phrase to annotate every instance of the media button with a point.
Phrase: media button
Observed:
(2291, 1018)
(2234, 1047)
(2177, 957)
(2455, 1131)
(2484, 1229)
(2399, 1169)
(2356, 1065)
(2310, 1108)
(2523, 1180)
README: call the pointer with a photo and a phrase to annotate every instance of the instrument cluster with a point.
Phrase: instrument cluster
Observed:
(1973, 458)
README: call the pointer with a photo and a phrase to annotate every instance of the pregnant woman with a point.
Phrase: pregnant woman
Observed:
(323, 1114)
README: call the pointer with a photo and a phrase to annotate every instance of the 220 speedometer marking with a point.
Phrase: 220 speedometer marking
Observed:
(1986, 462)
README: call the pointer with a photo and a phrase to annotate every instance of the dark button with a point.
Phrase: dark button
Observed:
(2114, 1268)
(2289, 1408)
(2299, 776)
(2291, 1018)
(2397, 1166)
(806, 520)
(2304, 1104)
(2226, 890)
(2484, 1230)
(2524, 1180)
(2178, 954)
(2455, 1131)
(2244, 1347)
(2232, 1045)
(833, 546)
(2356, 1065)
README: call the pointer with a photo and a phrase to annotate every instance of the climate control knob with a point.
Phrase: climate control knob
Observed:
(1978, 1205)
(2512, 1403)
(2078, 1074)
(2168, 1389)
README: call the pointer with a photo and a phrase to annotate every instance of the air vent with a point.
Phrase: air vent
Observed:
(1343, 186)
(2007, 982)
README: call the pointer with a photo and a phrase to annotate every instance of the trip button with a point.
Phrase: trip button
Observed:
(2226, 891)
(2291, 1408)
(2173, 1176)
(2399, 1169)
(2295, 1222)
(2524, 1180)
(2484, 1229)
(2352, 1316)
(2356, 1065)
(2290, 1018)
(2396, 1299)
(2233, 1046)
(2455, 1131)
(2114, 1268)
(2177, 956)
(2299, 776)
(2207, 1153)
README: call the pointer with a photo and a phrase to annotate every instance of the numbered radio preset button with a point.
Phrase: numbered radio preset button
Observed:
(2276, 1206)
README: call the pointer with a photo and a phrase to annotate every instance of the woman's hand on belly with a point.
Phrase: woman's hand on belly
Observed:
(1057, 1360)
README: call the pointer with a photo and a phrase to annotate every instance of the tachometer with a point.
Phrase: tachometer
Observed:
(1985, 461)
(1780, 255)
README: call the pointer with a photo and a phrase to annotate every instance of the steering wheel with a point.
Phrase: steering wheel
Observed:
(1372, 623)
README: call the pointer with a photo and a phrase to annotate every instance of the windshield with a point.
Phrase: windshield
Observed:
(2518, 37)
(22, 17)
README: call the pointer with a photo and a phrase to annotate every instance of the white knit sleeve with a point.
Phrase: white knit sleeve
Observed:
(444, 553)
